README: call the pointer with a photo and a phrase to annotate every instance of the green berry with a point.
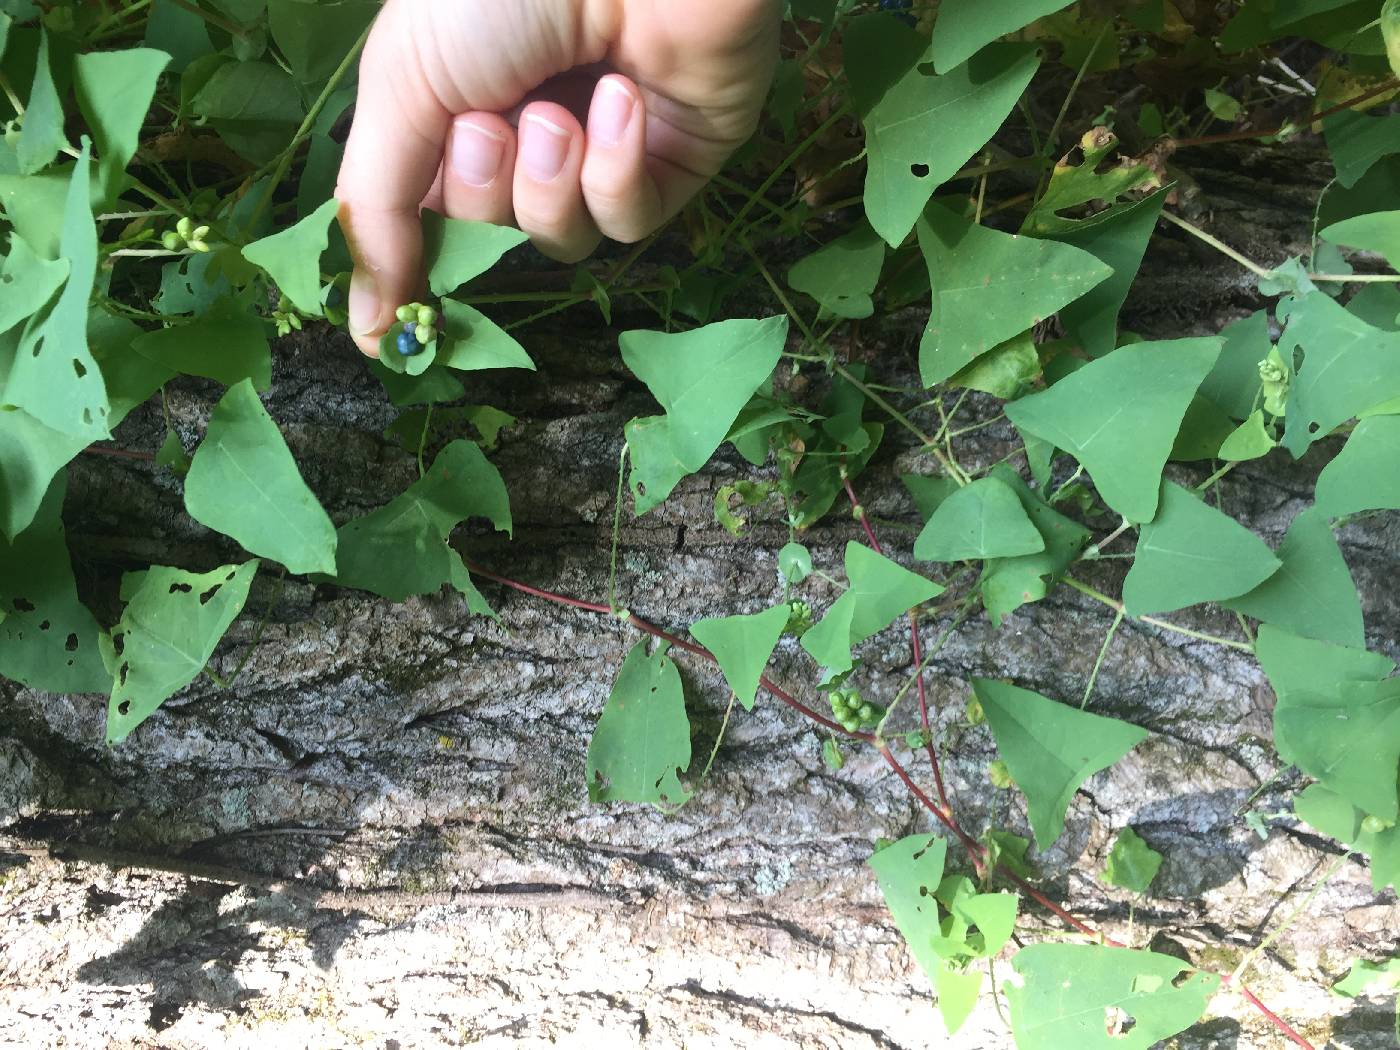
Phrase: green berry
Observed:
(1375, 825)
(185, 228)
(407, 314)
(172, 241)
(850, 725)
(426, 315)
(423, 334)
(867, 712)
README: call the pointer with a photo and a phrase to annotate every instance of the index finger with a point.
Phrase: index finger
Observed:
(391, 159)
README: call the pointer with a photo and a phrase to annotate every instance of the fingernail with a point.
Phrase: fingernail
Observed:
(611, 113)
(476, 153)
(364, 304)
(544, 146)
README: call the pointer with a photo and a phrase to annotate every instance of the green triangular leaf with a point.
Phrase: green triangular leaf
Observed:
(48, 639)
(966, 26)
(1366, 475)
(929, 493)
(1249, 440)
(983, 520)
(228, 344)
(1234, 382)
(924, 129)
(1356, 141)
(1009, 583)
(114, 90)
(1068, 994)
(1333, 815)
(743, 646)
(1377, 232)
(1117, 238)
(1193, 553)
(989, 286)
(1119, 416)
(455, 251)
(1348, 366)
(704, 377)
(1348, 737)
(1050, 749)
(957, 993)
(401, 549)
(244, 483)
(1313, 593)
(880, 592)
(643, 735)
(1132, 863)
(292, 258)
(655, 469)
(172, 623)
(841, 276)
(471, 341)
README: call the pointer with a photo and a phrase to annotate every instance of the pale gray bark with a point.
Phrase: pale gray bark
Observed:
(381, 836)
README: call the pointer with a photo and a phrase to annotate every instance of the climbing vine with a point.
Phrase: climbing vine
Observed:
(166, 179)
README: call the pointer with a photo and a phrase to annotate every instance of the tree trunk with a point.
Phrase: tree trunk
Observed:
(380, 835)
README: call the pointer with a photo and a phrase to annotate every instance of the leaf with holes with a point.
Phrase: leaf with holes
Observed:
(1050, 748)
(1091, 179)
(655, 469)
(1313, 593)
(227, 344)
(244, 483)
(292, 257)
(982, 520)
(455, 250)
(55, 377)
(1119, 416)
(925, 128)
(965, 26)
(1093, 997)
(171, 625)
(989, 286)
(880, 593)
(642, 739)
(1132, 864)
(42, 136)
(842, 275)
(909, 872)
(743, 646)
(48, 639)
(27, 282)
(1192, 553)
(1348, 366)
(704, 377)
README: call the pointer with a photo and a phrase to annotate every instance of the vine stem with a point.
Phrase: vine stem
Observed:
(1260, 271)
(859, 511)
(1116, 605)
(977, 853)
(1244, 136)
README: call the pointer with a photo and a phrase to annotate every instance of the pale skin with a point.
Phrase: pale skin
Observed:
(571, 119)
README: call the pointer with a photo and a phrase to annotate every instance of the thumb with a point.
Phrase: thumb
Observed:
(391, 160)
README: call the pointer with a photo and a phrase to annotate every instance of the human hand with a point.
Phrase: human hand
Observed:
(460, 110)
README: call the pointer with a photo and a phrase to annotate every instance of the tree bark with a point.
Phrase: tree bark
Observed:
(380, 835)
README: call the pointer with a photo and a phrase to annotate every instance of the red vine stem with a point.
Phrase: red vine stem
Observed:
(1241, 136)
(859, 511)
(976, 851)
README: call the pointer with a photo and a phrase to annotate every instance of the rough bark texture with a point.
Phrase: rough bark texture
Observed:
(380, 835)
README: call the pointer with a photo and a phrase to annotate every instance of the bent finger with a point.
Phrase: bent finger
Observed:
(618, 188)
(478, 169)
(548, 199)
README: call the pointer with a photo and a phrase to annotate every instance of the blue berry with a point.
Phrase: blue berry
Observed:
(408, 345)
(900, 9)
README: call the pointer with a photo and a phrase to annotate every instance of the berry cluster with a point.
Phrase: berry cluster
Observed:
(419, 328)
(799, 618)
(900, 9)
(853, 711)
(186, 234)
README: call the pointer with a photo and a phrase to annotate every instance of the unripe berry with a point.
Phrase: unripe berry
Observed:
(407, 314)
(426, 315)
